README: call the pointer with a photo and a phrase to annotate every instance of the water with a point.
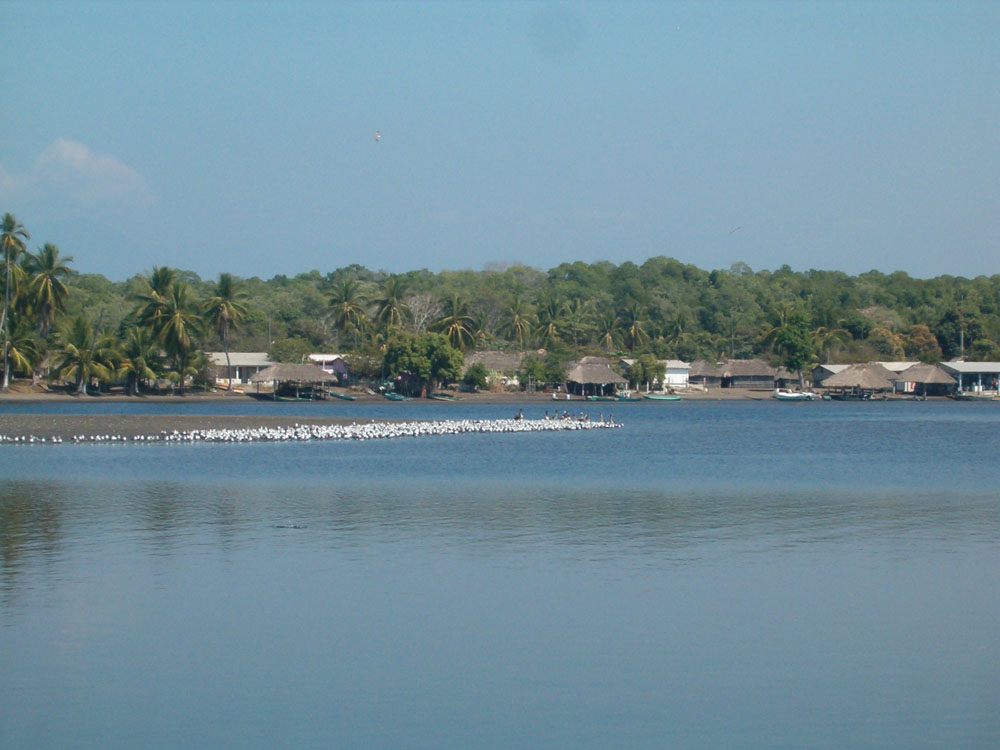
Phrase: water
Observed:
(713, 574)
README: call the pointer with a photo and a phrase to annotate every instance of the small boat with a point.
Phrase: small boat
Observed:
(660, 397)
(345, 396)
(784, 394)
(392, 396)
(603, 398)
(444, 397)
(973, 396)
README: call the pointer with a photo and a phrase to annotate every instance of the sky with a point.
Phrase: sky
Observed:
(240, 136)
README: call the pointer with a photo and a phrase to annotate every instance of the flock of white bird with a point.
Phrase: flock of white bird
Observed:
(355, 431)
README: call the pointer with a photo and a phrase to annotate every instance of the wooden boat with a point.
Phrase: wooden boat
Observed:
(345, 396)
(783, 394)
(660, 397)
(603, 398)
(444, 397)
(396, 396)
(973, 396)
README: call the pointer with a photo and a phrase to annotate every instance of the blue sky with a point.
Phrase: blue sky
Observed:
(236, 136)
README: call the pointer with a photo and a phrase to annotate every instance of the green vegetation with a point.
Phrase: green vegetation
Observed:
(82, 327)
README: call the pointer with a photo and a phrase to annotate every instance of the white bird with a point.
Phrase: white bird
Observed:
(378, 136)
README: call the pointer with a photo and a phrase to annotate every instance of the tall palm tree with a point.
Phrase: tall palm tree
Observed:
(77, 354)
(225, 308)
(46, 289)
(456, 324)
(152, 299)
(607, 330)
(179, 322)
(550, 315)
(347, 305)
(578, 312)
(13, 235)
(634, 325)
(139, 353)
(517, 322)
(391, 311)
(25, 351)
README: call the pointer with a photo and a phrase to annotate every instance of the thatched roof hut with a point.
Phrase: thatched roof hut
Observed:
(592, 379)
(289, 373)
(494, 361)
(869, 376)
(926, 374)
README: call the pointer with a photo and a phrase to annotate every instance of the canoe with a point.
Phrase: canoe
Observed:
(603, 398)
(345, 396)
(657, 397)
(444, 397)
(396, 397)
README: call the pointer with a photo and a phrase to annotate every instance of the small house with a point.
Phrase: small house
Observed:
(241, 366)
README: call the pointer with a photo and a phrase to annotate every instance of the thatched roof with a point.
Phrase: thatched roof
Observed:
(927, 374)
(870, 376)
(287, 373)
(702, 368)
(590, 374)
(595, 361)
(748, 368)
(495, 361)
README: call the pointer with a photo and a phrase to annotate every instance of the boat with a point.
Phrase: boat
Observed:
(660, 397)
(444, 397)
(392, 396)
(974, 396)
(603, 398)
(345, 396)
(784, 394)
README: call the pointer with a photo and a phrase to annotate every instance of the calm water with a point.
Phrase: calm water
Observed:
(711, 575)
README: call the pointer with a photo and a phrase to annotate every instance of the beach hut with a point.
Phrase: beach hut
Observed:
(592, 379)
(823, 371)
(925, 380)
(501, 367)
(977, 377)
(859, 382)
(706, 374)
(294, 382)
(675, 374)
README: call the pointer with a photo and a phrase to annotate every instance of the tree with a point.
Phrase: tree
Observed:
(476, 377)
(46, 290)
(427, 360)
(153, 297)
(550, 314)
(456, 324)
(77, 354)
(225, 309)
(179, 322)
(347, 304)
(139, 354)
(516, 322)
(646, 369)
(12, 239)
(391, 310)
(795, 343)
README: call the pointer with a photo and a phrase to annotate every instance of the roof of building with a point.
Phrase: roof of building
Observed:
(496, 361)
(240, 359)
(675, 364)
(924, 373)
(319, 357)
(289, 373)
(593, 374)
(972, 368)
(869, 375)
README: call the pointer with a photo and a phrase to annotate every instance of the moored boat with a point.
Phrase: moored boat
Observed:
(661, 397)
(393, 396)
(784, 394)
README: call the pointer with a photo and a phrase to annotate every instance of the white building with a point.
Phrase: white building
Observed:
(241, 366)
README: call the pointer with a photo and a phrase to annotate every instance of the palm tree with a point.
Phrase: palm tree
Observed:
(152, 300)
(391, 310)
(347, 305)
(634, 326)
(456, 324)
(516, 323)
(826, 338)
(550, 315)
(13, 235)
(78, 344)
(578, 312)
(607, 329)
(139, 352)
(179, 323)
(46, 288)
(25, 350)
(225, 308)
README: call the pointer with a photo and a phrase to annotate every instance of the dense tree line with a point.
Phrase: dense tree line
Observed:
(157, 325)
